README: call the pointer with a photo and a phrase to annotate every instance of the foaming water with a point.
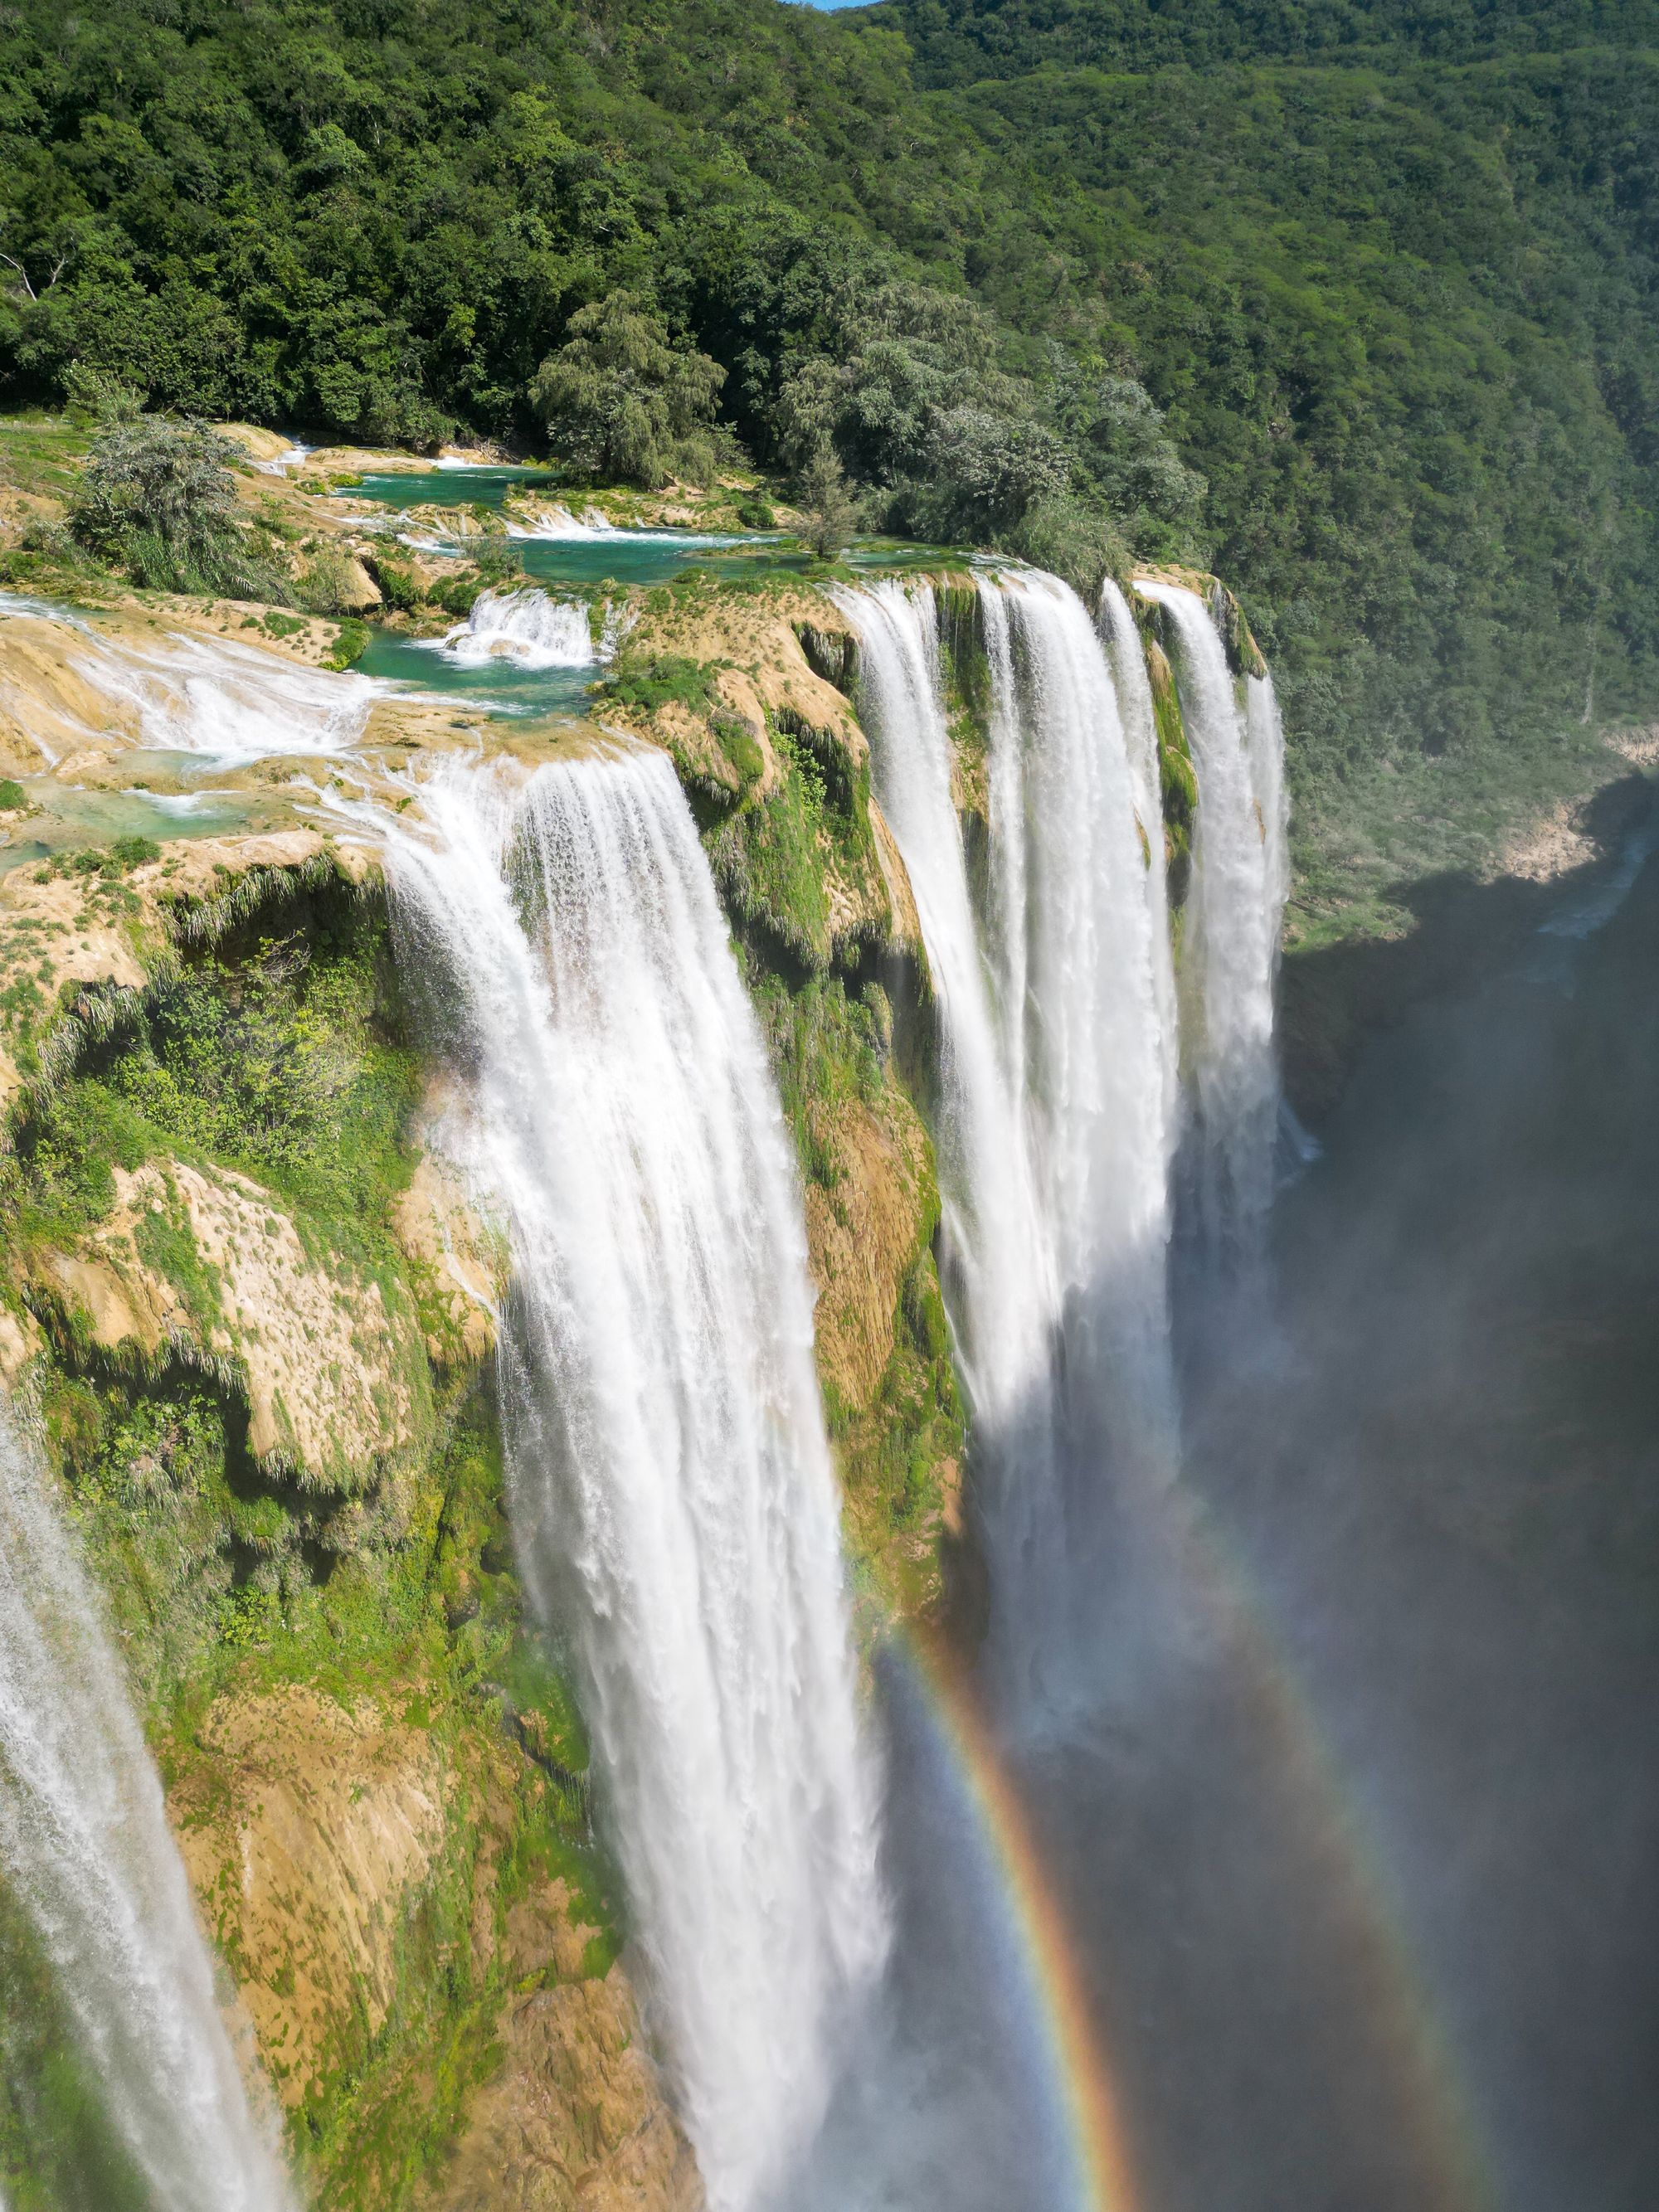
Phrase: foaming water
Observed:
(526, 628)
(85, 1849)
(559, 524)
(1235, 912)
(1127, 657)
(671, 1493)
(215, 697)
(226, 701)
(1055, 1122)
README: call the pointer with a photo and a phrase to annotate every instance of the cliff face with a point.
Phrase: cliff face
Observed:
(253, 1315)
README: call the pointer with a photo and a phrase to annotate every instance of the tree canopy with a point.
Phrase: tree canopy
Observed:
(1355, 299)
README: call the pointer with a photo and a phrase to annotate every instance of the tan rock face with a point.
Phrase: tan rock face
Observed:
(49, 709)
(75, 929)
(859, 1241)
(20, 1340)
(302, 1830)
(575, 2118)
(462, 1260)
(310, 1830)
(206, 1256)
(763, 666)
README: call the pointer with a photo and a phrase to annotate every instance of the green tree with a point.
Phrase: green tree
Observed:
(623, 404)
(829, 505)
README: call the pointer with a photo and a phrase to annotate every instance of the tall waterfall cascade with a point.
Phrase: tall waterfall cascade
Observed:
(85, 1848)
(672, 1496)
(1235, 912)
(1055, 1001)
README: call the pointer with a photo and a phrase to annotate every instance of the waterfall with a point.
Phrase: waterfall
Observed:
(525, 627)
(1235, 911)
(1127, 659)
(672, 1498)
(1057, 1091)
(85, 1847)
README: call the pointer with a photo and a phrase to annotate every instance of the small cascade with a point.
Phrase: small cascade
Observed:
(525, 627)
(1235, 912)
(558, 524)
(672, 1498)
(85, 1847)
(181, 692)
(1056, 1123)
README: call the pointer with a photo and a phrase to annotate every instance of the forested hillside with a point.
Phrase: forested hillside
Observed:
(1357, 304)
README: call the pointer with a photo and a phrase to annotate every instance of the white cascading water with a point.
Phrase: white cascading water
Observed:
(672, 1496)
(224, 700)
(559, 524)
(84, 1847)
(1127, 657)
(526, 628)
(1235, 912)
(1056, 1116)
(184, 693)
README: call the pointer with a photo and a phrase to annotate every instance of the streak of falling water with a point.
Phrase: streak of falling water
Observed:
(1235, 912)
(85, 1847)
(1054, 1009)
(670, 1484)
(1127, 659)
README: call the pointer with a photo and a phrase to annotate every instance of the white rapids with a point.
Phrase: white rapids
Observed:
(217, 697)
(524, 628)
(669, 1482)
(85, 1847)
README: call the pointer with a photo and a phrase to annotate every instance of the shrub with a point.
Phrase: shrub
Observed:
(669, 679)
(400, 587)
(824, 494)
(351, 644)
(43, 534)
(157, 497)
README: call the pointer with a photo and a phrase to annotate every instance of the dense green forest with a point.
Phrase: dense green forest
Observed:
(1357, 303)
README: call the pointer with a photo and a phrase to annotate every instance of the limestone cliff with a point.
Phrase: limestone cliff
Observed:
(253, 1313)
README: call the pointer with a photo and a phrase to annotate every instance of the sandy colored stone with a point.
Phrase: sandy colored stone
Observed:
(575, 2118)
(303, 1827)
(75, 929)
(48, 709)
(359, 592)
(906, 925)
(1552, 848)
(767, 668)
(859, 1241)
(463, 1259)
(309, 1829)
(20, 1340)
(1640, 745)
(325, 1367)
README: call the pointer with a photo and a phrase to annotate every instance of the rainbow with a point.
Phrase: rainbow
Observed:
(1073, 2061)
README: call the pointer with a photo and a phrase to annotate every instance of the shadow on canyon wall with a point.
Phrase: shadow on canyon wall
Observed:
(1354, 1830)
(1370, 1873)
(1334, 1000)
